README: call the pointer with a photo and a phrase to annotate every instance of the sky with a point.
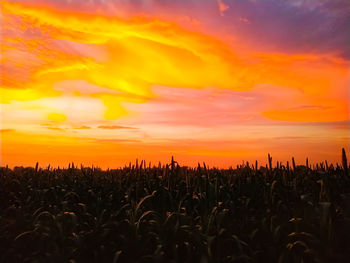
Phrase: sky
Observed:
(103, 82)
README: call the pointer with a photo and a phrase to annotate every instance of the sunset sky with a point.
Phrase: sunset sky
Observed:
(105, 82)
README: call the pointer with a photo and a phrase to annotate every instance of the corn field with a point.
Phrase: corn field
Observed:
(170, 213)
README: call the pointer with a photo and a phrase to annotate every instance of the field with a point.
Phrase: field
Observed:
(169, 213)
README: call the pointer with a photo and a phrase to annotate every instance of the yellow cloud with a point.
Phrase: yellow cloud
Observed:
(141, 52)
(56, 117)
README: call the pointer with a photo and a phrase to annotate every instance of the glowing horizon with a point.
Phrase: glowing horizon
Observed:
(105, 82)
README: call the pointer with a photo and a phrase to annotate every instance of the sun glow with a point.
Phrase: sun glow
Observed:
(163, 84)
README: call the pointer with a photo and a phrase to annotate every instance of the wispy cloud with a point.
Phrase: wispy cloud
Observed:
(83, 127)
(118, 140)
(55, 128)
(311, 107)
(197, 78)
(115, 127)
(222, 7)
(7, 130)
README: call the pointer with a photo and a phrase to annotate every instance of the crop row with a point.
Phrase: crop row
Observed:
(169, 213)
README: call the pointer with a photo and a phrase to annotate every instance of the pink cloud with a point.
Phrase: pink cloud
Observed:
(205, 107)
(222, 7)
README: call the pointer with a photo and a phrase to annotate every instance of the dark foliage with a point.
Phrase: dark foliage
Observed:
(176, 214)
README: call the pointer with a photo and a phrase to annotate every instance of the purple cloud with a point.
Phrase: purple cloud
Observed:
(294, 26)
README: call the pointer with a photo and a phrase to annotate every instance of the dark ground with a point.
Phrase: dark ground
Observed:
(176, 214)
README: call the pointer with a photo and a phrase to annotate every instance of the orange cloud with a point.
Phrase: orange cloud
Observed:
(83, 127)
(132, 55)
(6, 130)
(337, 112)
(186, 91)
